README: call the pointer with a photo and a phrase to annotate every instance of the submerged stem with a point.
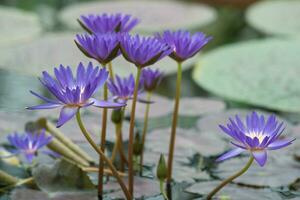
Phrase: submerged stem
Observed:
(145, 132)
(174, 123)
(102, 155)
(231, 178)
(131, 133)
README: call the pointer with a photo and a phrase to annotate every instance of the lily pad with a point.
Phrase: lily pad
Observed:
(196, 106)
(264, 16)
(162, 106)
(188, 143)
(51, 50)
(17, 26)
(143, 187)
(62, 177)
(26, 194)
(155, 15)
(254, 72)
(271, 175)
(233, 192)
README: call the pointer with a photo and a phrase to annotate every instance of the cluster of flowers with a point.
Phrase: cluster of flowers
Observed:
(107, 38)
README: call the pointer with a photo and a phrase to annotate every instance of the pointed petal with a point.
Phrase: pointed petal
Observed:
(29, 157)
(230, 154)
(44, 106)
(66, 114)
(279, 144)
(107, 104)
(260, 157)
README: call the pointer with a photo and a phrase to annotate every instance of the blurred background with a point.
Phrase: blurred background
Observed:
(253, 60)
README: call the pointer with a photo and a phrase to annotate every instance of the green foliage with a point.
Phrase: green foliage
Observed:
(62, 177)
(279, 18)
(261, 72)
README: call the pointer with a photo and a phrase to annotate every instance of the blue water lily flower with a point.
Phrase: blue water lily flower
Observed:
(29, 144)
(73, 93)
(150, 79)
(256, 135)
(108, 23)
(184, 44)
(143, 51)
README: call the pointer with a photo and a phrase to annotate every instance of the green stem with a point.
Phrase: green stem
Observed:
(131, 133)
(231, 178)
(145, 132)
(102, 155)
(174, 123)
(162, 190)
(102, 145)
(111, 71)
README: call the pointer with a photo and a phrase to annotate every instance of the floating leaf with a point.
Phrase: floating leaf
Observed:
(232, 192)
(196, 106)
(188, 142)
(26, 194)
(51, 50)
(62, 177)
(17, 26)
(155, 15)
(162, 106)
(264, 16)
(254, 72)
(143, 187)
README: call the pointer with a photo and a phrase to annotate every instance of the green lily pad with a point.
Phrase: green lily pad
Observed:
(196, 106)
(275, 17)
(26, 194)
(143, 187)
(232, 192)
(62, 177)
(17, 26)
(188, 143)
(271, 175)
(50, 51)
(162, 106)
(155, 15)
(255, 73)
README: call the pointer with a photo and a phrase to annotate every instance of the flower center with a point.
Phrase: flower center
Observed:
(258, 135)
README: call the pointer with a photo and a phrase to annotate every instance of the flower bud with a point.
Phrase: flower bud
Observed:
(162, 170)
(116, 116)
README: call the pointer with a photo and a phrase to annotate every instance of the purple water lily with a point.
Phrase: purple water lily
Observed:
(150, 79)
(122, 89)
(101, 47)
(108, 23)
(184, 44)
(256, 135)
(143, 51)
(73, 93)
(28, 144)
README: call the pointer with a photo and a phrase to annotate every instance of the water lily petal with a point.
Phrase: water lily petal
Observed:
(66, 114)
(230, 154)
